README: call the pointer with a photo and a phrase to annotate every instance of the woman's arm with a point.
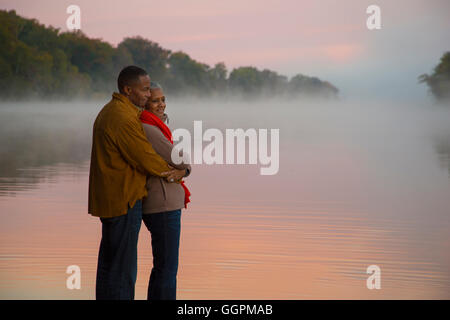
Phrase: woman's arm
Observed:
(162, 146)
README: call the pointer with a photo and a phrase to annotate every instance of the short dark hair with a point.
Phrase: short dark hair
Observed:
(128, 75)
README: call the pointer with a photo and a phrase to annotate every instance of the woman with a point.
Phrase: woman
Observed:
(161, 210)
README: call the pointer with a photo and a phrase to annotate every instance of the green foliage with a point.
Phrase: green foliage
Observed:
(148, 55)
(218, 79)
(439, 82)
(92, 57)
(33, 61)
(41, 61)
(266, 83)
(250, 81)
(304, 85)
(246, 80)
(187, 75)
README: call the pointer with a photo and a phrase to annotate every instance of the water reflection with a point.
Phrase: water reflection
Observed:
(36, 137)
(442, 148)
(357, 186)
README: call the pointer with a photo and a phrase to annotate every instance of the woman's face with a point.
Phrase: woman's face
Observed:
(157, 103)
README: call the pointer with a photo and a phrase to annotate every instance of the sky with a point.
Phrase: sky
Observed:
(327, 39)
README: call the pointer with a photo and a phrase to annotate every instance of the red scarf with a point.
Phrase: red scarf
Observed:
(150, 118)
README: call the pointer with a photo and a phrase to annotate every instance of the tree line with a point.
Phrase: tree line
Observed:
(439, 81)
(42, 62)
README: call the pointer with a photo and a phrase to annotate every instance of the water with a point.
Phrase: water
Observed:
(359, 184)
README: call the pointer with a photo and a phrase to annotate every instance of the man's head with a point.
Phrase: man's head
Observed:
(134, 83)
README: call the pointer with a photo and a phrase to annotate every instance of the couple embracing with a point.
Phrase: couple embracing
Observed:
(132, 178)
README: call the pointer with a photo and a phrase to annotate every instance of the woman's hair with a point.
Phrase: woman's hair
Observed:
(155, 85)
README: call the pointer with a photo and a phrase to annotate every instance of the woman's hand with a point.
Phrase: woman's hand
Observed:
(175, 174)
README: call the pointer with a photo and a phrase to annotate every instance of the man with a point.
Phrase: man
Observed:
(121, 159)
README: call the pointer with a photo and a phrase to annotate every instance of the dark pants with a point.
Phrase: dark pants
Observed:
(165, 232)
(117, 258)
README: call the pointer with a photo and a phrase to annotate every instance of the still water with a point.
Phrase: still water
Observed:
(359, 184)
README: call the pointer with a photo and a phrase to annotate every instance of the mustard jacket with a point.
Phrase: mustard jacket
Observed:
(121, 159)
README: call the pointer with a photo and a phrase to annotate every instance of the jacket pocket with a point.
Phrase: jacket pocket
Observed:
(163, 187)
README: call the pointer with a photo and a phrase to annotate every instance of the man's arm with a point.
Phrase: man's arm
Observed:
(137, 151)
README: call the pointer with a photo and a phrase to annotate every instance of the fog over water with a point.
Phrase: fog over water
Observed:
(359, 183)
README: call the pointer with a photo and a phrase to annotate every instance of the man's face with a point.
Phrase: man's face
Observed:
(139, 92)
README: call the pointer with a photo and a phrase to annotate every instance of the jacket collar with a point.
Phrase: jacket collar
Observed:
(126, 101)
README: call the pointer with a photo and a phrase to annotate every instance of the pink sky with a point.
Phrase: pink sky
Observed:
(328, 39)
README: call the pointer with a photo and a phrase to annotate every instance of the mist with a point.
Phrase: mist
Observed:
(359, 183)
(34, 134)
(360, 165)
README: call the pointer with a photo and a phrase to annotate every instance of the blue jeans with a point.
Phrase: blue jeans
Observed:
(165, 232)
(117, 257)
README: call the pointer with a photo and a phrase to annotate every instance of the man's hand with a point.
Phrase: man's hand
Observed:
(174, 174)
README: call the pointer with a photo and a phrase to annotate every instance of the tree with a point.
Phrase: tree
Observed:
(439, 82)
(273, 83)
(93, 57)
(301, 85)
(41, 61)
(187, 75)
(251, 81)
(147, 55)
(245, 80)
(218, 78)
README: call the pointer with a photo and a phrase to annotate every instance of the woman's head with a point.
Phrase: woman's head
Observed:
(157, 102)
